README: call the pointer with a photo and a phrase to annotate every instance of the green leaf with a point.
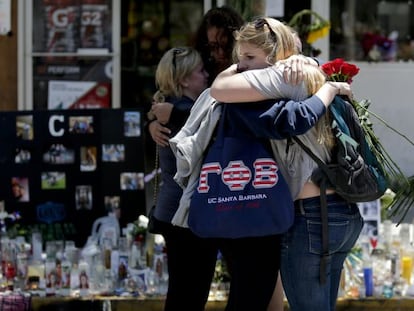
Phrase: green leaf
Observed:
(402, 185)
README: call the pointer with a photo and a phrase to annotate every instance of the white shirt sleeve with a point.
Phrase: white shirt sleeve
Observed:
(271, 84)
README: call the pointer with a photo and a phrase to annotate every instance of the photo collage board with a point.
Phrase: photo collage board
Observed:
(371, 213)
(63, 169)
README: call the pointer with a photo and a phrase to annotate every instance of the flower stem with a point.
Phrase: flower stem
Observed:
(385, 123)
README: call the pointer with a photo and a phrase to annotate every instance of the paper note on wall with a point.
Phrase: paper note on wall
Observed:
(78, 95)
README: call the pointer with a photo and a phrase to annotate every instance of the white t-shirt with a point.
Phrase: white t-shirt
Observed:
(295, 164)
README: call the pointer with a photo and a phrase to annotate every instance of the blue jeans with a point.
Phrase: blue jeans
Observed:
(302, 249)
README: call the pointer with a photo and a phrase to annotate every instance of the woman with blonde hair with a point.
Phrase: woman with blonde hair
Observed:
(255, 260)
(310, 280)
(180, 78)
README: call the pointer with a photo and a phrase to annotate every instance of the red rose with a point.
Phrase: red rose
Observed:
(350, 70)
(339, 70)
(328, 69)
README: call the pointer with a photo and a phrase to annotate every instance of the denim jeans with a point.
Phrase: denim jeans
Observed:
(302, 248)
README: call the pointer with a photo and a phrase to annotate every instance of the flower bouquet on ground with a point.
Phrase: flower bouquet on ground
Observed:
(139, 229)
(340, 71)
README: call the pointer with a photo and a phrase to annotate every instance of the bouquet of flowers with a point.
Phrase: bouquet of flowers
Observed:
(139, 228)
(340, 71)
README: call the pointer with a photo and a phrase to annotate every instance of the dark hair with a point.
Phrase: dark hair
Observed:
(225, 18)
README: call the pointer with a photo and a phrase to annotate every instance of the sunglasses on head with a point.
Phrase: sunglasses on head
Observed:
(260, 23)
(176, 51)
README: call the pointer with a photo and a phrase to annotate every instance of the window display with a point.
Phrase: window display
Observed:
(64, 26)
(74, 58)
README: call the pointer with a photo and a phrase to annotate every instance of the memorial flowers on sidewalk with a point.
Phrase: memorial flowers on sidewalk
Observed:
(341, 71)
(139, 228)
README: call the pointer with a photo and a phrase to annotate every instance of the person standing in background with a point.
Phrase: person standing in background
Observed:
(180, 78)
(214, 40)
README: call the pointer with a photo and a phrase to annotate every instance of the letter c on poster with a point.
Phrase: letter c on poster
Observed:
(52, 128)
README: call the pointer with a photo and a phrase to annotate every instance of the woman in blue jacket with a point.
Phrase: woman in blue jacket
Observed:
(254, 265)
(180, 78)
(301, 245)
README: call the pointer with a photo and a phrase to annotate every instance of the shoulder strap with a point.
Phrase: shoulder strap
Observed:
(320, 163)
(325, 232)
(338, 109)
(324, 210)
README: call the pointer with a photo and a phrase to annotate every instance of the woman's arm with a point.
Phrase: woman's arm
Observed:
(255, 85)
(261, 84)
(330, 89)
(282, 80)
(285, 118)
(231, 86)
(165, 114)
(280, 119)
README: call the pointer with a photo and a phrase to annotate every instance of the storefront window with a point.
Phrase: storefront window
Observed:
(149, 29)
(73, 54)
(372, 30)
